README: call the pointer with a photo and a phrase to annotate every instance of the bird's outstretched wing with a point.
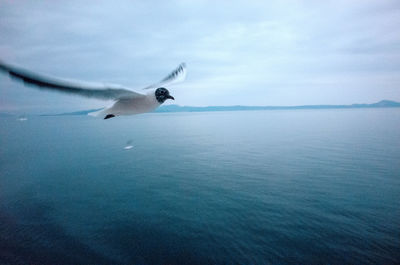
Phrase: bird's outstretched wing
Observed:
(99, 91)
(178, 75)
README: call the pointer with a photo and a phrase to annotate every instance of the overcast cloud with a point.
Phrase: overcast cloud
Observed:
(237, 52)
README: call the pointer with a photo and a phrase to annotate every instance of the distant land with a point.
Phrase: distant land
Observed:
(81, 112)
(177, 108)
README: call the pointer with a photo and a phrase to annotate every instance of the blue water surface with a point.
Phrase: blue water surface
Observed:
(252, 187)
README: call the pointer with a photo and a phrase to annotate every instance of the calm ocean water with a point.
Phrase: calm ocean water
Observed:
(255, 187)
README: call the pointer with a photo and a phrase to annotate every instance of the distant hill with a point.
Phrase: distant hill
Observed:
(81, 112)
(177, 108)
(380, 104)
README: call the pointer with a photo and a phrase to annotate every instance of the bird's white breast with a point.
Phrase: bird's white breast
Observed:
(135, 105)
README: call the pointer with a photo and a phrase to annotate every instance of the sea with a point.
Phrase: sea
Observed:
(238, 187)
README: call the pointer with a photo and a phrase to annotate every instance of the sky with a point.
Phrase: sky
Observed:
(237, 52)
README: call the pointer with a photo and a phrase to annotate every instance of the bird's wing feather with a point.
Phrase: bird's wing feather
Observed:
(90, 90)
(178, 75)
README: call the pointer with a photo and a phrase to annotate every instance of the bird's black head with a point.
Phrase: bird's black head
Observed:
(162, 94)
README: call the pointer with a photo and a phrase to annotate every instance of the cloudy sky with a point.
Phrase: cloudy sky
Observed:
(237, 52)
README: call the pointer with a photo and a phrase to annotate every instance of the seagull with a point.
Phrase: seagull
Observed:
(128, 145)
(126, 101)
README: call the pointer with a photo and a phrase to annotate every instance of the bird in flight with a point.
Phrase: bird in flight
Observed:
(126, 101)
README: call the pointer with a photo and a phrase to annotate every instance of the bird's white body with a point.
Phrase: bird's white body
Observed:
(131, 106)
